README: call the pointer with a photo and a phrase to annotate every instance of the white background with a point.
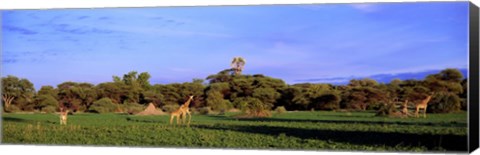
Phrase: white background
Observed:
(83, 150)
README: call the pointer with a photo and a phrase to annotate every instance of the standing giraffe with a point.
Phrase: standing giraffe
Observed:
(186, 110)
(63, 116)
(405, 108)
(177, 113)
(423, 105)
(182, 112)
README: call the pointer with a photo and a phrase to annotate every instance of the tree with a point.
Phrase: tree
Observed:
(237, 65)
(222, 76)
(48, 90)
(68, 96)
(45, 101)
(216, 101)
(327, 101)
(116, 91)
(363, 94)
(17, 91)
(253, 107)
(133, 85)
(448, 87)
(104, 105)
(268, 96)
(47, 96)
(87, 93)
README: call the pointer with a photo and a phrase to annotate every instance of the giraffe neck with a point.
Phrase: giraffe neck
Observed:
(426, 100)
(188, 102)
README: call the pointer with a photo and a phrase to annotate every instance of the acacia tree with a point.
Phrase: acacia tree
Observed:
(16, 91)
(87, 93)
(68, 96)
(448, 86)
(237, 65)
(47, 96)
(134, 85)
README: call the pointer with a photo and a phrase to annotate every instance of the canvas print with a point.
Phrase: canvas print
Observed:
(348, 77)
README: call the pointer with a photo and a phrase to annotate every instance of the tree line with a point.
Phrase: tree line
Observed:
(255, 94)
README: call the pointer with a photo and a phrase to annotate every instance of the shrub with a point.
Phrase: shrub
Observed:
(205, 110)
(13, 108)
(253, 107)
(445, 103)
(280, 110)
(104, 105)
(386, 110)
(132, 108)
(46, 101)
(49, 109)
(170, 107)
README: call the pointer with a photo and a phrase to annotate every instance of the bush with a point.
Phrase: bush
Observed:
(170, 107)
(445, 103)
(104, 105)
(253, 107)
(13, 108)
(45, 101)
(132, 108)
(280, 110)
(386, 110)
(49, 109)
(205, 110)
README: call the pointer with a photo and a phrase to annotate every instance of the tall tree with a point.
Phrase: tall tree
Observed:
(17, 91)
(46, 96)
(237, 65)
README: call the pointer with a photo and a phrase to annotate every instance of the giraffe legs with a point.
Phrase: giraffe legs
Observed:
(172, 117)
(189, 117)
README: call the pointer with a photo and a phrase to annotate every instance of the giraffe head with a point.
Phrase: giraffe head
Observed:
(191, 97)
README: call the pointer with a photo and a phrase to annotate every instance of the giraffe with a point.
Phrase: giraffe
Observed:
(405, 107)
(181, 112)
(177, 113)
(63, 116)
(423, 105)
(186, 110)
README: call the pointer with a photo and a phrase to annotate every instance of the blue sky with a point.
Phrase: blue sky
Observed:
(176, 44)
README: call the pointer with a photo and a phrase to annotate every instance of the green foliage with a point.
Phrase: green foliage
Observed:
(104, 105)
(45, 101)
(49, 109)
(205, 110)
(267, 96)
(226, 90)
(387, 110)
(327, 101)
(170, 107)
(20, 91)
(445, 103)
(254, 107)
(13, 108)
(216, 102)
(132, 108)
(359, 131)
(280, 110)
(48, 90)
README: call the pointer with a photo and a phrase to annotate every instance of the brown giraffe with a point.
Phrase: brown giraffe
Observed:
(423, 105)
(177, 113)
(63, 116)
(185, 108)
(405, 108)
(181, 112)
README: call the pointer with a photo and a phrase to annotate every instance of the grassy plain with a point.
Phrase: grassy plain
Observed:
(319, 130)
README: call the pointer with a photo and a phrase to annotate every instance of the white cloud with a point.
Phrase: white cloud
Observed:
(364, 7)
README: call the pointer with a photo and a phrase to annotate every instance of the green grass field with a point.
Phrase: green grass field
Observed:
(292, 130)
